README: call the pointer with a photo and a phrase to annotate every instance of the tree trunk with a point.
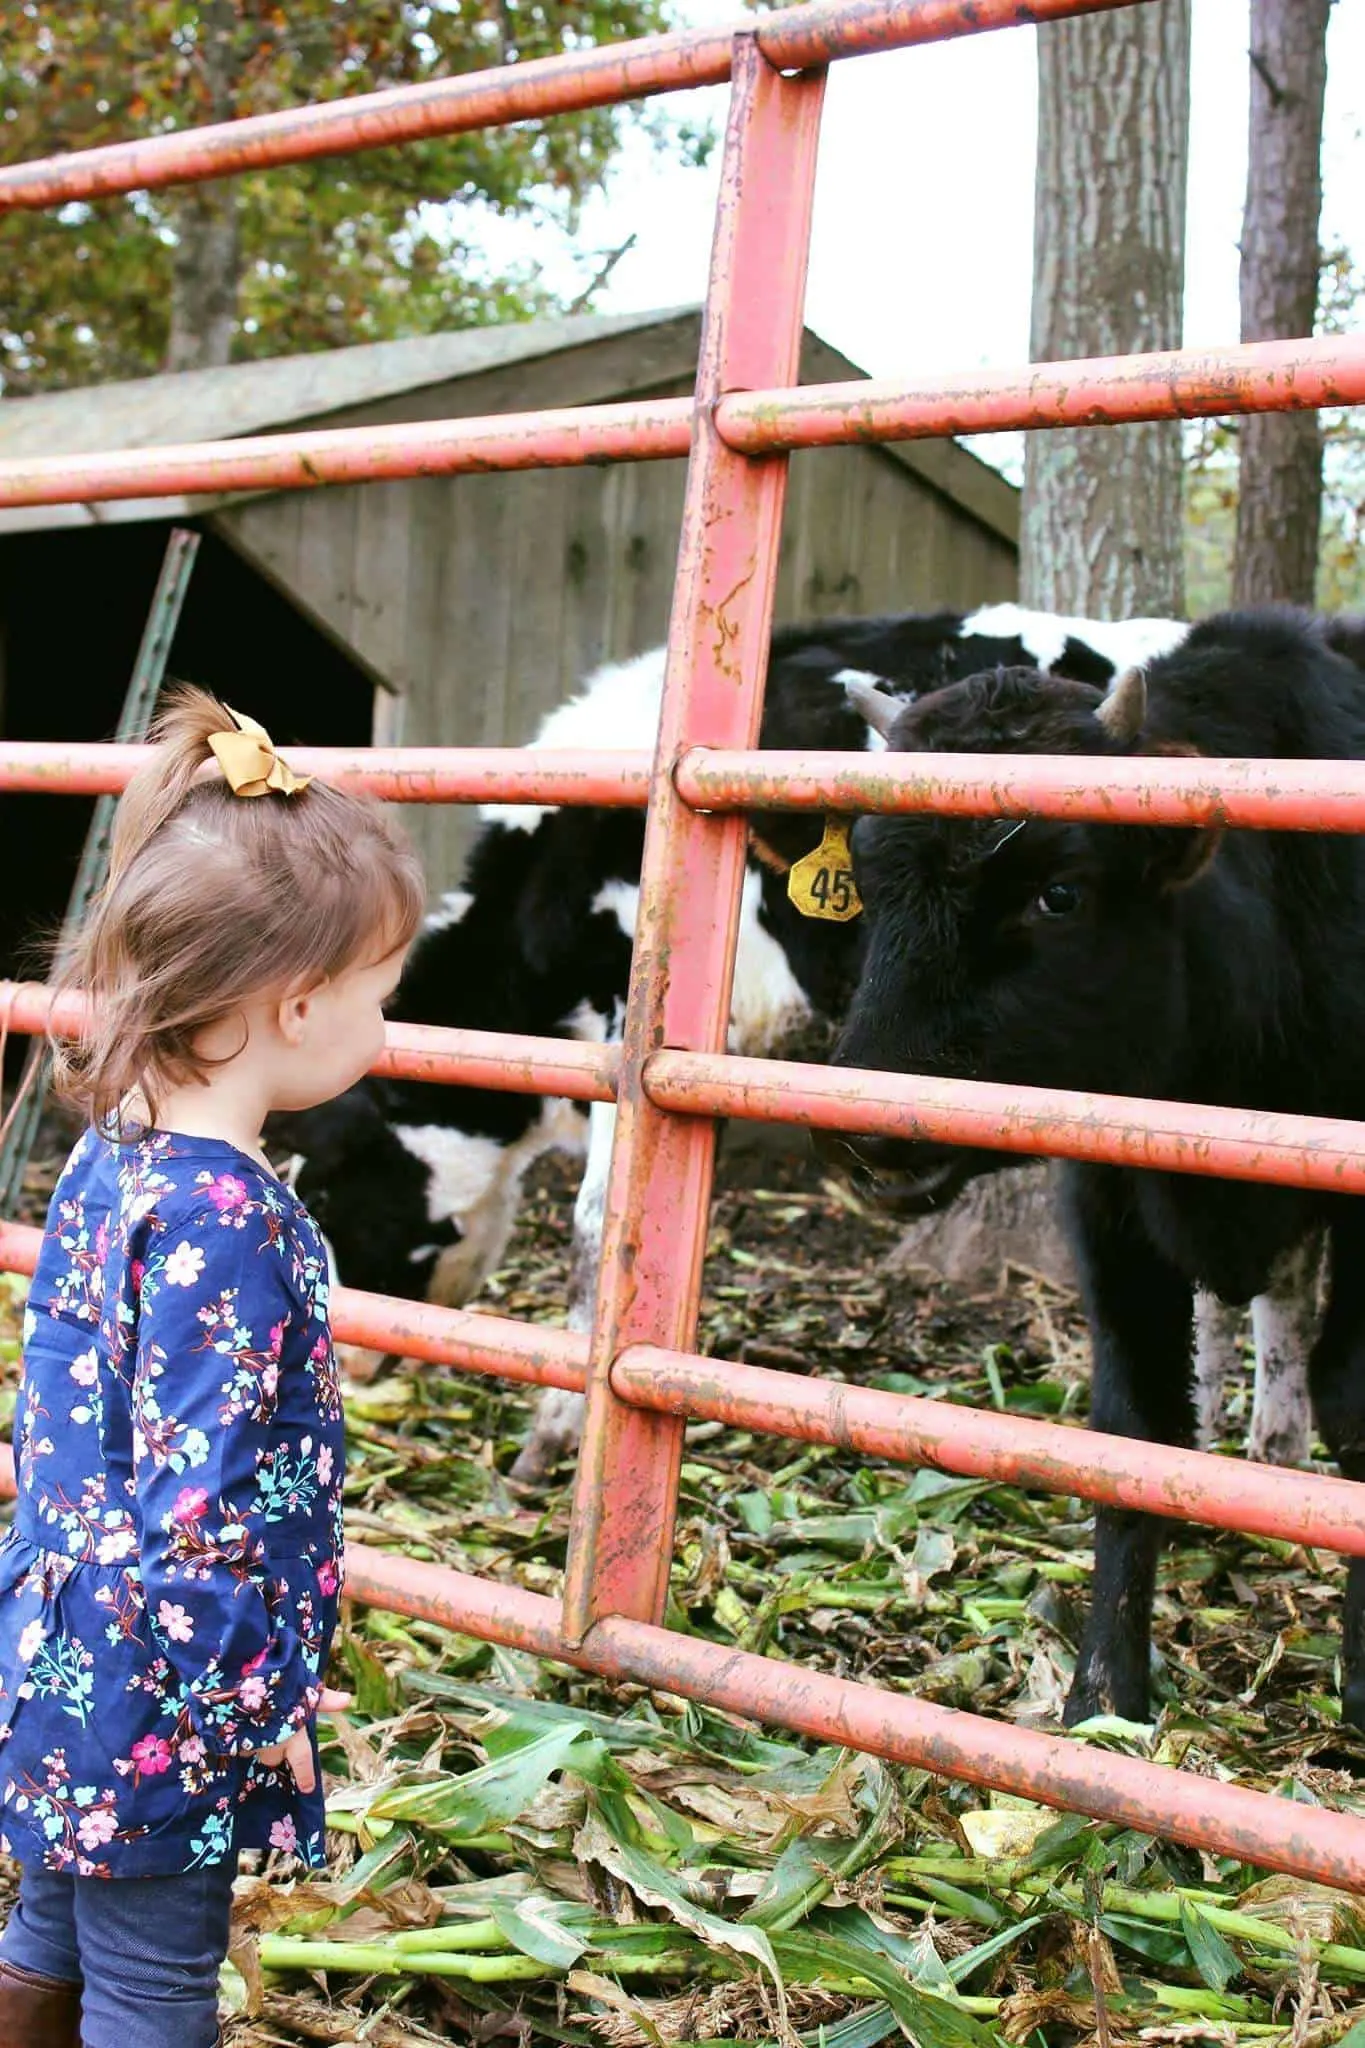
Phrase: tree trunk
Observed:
(1279, 502)
(207, 263)
(1102, 509)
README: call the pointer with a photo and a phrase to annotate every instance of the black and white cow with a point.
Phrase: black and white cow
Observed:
(1196, 965)
(417, 1184)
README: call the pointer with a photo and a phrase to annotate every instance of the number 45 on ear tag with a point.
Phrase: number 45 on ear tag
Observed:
(821, 884)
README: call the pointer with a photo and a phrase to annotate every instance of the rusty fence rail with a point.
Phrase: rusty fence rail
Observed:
(671, 1076)
(795, 39)
(1263, 376)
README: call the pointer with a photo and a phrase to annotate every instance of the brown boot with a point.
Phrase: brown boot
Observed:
(38, 2012)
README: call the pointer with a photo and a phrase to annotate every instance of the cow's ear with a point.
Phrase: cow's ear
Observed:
(1123, 709)
(1176, 857)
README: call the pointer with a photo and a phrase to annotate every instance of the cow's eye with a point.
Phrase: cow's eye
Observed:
(1059, 899)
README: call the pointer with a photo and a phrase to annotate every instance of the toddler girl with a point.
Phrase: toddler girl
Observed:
(169, 1589)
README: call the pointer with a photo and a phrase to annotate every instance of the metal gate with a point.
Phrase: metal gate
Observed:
(672, 1076)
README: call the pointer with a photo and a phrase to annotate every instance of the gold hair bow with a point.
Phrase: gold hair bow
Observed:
(248, 760)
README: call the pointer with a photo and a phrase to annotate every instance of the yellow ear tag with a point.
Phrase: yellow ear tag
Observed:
(821, 884)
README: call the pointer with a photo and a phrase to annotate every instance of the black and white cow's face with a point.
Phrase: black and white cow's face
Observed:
(1043, 953)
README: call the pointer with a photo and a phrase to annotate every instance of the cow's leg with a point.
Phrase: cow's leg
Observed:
(1215, 1354)
(1285, 1321)
(1336, 1374)
(1140, 1310)
(558, 1424)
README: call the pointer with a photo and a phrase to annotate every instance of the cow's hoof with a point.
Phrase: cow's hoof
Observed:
(534, 1464)
(359, 1364)
(555, 1436)
(1287, 1446)
(1097, 1691)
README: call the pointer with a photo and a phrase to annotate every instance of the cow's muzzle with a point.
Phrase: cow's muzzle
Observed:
(898, 1175)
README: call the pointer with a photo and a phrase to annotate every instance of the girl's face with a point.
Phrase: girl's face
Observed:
(329, 1037)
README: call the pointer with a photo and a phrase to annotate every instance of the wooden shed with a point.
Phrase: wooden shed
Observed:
(440, 610)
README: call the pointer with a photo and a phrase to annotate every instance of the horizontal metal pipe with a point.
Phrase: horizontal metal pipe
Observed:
(1122, 1130)
(580, 1071)
(1258, 377)
(1114, 1471)
(795, 40)
(498, 1346)
(641, 430)
(32, 1007)
(399, 775)
(1279, 796)
(1278, 1834)
(1125, 1130)
(1262, 376)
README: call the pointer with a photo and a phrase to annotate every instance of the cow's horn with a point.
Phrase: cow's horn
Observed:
(1125, 707)
(880, 711)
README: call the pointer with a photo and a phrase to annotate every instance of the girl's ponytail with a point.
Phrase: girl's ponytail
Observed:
(215, 899)
(180, 734)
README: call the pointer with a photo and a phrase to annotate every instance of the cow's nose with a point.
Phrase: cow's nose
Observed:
(853, 1151)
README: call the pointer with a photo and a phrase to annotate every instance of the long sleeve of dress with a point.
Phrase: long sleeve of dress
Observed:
(218, 1476)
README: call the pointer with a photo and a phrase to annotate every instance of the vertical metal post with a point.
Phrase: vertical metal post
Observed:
(659, 1192)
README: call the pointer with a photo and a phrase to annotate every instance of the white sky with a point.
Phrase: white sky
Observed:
(921, 256)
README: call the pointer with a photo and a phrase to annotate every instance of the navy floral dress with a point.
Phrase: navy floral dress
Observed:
(169, 1588)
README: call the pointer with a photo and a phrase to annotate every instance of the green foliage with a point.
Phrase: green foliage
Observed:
(359, 248)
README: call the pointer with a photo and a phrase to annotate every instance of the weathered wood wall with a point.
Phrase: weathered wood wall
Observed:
(480, 602)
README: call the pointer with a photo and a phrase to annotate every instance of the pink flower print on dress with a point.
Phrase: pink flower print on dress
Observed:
(152, 1755)
(174, 1622)
(97, 1827)
(284, 1835)
(191, 1503)
(227, 1193)
(30, 1640)
(184, 1265)
(327, 1578)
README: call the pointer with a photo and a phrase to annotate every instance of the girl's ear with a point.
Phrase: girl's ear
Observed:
(293, 1015)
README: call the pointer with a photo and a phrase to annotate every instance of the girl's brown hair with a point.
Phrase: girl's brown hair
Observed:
(214, 900)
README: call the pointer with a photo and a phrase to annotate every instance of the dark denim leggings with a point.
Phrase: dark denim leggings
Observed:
(147, 1951)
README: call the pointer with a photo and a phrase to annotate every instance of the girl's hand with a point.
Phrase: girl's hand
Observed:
(298, 1751)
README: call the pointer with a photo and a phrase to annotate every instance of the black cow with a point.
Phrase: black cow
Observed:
(417, 1185)
(1191, 964)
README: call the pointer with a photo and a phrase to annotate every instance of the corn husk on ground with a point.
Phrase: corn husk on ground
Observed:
(523, 1853)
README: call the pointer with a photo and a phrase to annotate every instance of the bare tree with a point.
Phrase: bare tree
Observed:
(1279, 500)
(207, 264)
(1102, 505)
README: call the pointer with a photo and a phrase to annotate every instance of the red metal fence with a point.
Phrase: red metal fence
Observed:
(671, 1076)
